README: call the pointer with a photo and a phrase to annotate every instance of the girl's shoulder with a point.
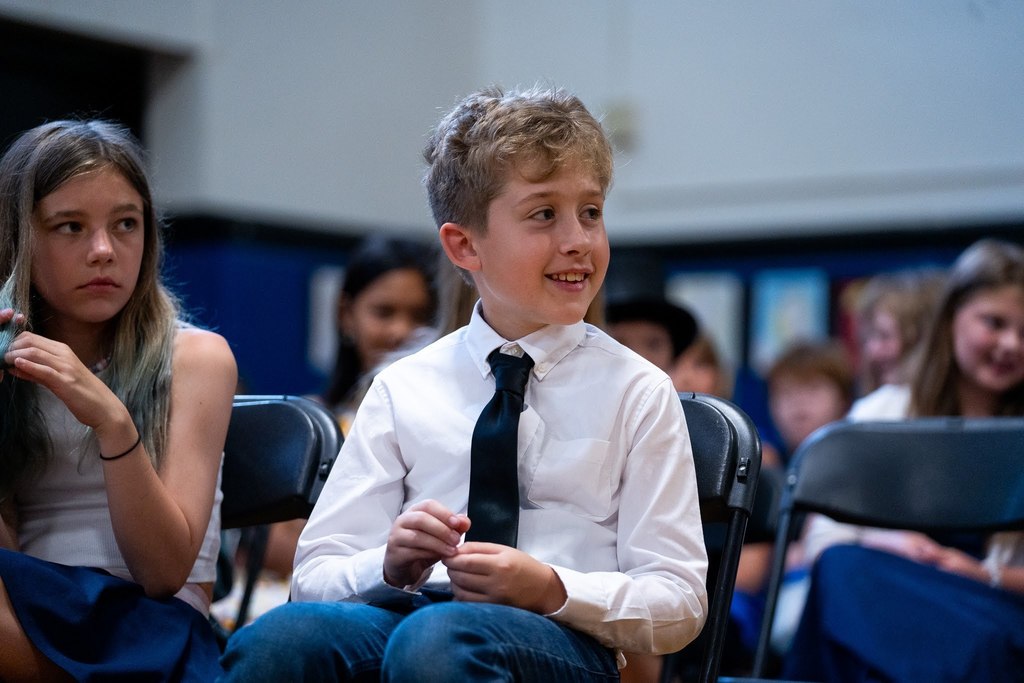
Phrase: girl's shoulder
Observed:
(195, 347)
(888, 402)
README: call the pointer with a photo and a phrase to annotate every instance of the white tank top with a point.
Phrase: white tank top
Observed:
(63, 516)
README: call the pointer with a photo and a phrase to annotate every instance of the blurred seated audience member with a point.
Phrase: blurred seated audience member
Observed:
(892, 312)
(809, 385)
(386, 295)
(700, 369)
(904, 606)
(658, 330)
(387, 299)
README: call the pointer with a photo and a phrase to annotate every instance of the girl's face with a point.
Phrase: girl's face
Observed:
(382, 316)
(89, 237)
(988, 340)
(883, 347)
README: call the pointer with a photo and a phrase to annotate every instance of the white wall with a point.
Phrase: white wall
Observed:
(745, 118)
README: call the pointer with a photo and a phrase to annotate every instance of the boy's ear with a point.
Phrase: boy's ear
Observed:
(457, 242)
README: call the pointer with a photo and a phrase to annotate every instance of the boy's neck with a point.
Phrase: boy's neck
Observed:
(510, 335)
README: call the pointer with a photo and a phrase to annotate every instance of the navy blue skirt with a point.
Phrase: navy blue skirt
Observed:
(98, 627)
(874, 616)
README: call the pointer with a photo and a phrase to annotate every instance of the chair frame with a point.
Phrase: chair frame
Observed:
(273, 477)
(727, 457)
(893, 474)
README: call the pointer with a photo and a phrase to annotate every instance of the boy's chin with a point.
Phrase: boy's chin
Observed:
(568, 317)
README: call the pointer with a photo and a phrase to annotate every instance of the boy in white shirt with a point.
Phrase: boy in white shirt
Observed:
(608, 554)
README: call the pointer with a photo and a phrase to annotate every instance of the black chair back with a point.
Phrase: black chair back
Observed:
(727, 456)
(924, 474)
(278, 454)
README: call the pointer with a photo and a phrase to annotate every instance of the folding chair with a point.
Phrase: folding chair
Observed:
(925, 474)
(727, 456)
(277, 456)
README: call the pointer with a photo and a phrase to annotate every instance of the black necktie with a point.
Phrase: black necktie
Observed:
(494, 468)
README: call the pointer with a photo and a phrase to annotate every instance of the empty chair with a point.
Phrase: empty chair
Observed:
(277, 456)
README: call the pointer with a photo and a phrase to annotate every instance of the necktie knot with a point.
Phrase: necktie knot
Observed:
(510, 372)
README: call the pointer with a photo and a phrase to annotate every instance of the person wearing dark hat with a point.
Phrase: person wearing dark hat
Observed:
(653, 327)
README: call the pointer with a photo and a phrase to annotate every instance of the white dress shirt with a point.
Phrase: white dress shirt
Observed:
(606, 478)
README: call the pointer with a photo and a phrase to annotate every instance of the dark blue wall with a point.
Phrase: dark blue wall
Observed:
(257, 296)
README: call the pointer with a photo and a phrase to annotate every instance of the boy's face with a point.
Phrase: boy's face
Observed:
(800, 405)
(544, 254)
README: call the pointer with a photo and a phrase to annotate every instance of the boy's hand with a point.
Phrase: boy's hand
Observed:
(425, 533)
(488, 572)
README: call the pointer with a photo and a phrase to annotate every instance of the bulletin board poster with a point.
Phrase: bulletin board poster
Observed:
(786, 306)
(324, 286)
(716, 300)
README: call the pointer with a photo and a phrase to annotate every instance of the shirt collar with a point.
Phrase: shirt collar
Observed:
(547, 346)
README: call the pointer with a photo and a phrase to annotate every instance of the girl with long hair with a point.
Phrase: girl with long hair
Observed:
(113, 415)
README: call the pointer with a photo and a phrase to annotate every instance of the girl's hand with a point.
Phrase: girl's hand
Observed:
(958, 562)
(8, 316)
(55, 366)
(909, 544)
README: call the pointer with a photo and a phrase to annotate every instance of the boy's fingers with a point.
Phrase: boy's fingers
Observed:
(426, 523)
(438, 510)
(412, 540)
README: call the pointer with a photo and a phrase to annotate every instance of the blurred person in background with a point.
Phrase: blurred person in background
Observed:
(939, 607)
(892, 312)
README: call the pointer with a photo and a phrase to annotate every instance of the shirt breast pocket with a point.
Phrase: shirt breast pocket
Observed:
(575, 476)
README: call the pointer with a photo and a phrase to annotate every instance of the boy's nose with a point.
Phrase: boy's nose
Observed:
(576, 237)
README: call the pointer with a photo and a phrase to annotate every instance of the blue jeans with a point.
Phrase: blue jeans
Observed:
(448, 641)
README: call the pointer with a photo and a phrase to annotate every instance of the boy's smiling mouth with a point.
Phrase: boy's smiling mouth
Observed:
(569, 277)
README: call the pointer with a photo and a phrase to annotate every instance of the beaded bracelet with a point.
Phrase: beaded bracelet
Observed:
(121, 455)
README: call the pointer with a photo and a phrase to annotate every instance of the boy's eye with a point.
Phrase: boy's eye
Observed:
(544, 214)
(592, 212)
